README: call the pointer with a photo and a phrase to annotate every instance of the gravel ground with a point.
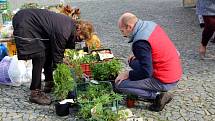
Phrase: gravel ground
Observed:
(194, 95)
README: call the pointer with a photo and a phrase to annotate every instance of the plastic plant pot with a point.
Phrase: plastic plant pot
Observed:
(130, 102)
(86, 69)
(62, 109)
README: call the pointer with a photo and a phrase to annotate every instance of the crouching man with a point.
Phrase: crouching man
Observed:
(155, 62)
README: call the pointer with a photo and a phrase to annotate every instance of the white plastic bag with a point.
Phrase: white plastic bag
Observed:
(20, 71)
(14, 72)
(25, 68)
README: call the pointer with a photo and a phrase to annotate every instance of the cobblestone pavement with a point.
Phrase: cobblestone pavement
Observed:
(194, 96)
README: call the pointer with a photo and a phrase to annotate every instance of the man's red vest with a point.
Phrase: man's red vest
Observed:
(165, 57)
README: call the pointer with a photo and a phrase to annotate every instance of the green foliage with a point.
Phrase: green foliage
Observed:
(63, 81)
(88, 59)
(78, 72)
(30, 5)
(97, 101)
(106, 70)
(76, 58)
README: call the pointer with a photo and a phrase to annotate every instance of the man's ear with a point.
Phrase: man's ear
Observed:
(129, 27)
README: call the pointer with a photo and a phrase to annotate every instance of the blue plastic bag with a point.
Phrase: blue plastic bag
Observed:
(3, 51)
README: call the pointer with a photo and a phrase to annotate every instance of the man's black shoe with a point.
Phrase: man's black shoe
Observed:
(160, 102)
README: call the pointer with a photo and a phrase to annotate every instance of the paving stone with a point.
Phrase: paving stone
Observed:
(4, 115)
(25, 117)
(181, 119)
(150, 119)
(3, 110)
(212, 111)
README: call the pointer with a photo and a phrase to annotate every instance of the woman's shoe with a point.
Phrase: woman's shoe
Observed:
(39, 97)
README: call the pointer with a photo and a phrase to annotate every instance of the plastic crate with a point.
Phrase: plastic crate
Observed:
(103, 54)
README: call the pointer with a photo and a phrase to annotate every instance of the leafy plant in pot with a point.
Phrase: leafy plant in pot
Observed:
(130, 100)
(106, 70)
(85, 63)
(97, 101)
(80, 63)
(63, 84)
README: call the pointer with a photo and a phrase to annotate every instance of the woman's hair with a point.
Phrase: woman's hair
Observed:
(85, 29)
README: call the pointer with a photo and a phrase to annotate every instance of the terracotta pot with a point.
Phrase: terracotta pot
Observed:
(130, 102)
(86, 69)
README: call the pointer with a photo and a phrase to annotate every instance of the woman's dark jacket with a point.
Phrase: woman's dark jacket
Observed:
(37, 31)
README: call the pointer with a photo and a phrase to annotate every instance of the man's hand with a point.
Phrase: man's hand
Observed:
(130, 58)
(121, 77)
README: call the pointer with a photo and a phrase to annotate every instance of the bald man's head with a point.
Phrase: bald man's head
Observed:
(127, 19)
(126, 23)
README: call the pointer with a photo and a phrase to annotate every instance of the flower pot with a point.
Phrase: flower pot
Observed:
(130, 102)
(86, 69)
(72, 94)
(62, 109)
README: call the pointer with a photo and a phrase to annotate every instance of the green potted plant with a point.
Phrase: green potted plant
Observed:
(63, 84)
(106, 70)
(85, 62)
(131, 100)
(80, 62)
(97, 102)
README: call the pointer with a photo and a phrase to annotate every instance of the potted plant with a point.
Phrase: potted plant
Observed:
(62, 109)
(63, 84)
(85, 62)
(130, 100)
(97, 102)
(80, 62)
(106, 70)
